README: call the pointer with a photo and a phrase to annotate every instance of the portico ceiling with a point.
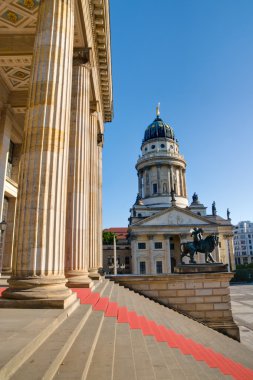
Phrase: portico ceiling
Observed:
(18, 20)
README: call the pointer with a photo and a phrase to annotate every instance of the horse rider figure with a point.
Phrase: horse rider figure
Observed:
(197, 237)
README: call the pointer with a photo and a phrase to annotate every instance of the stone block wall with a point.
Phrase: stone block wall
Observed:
(204, 296)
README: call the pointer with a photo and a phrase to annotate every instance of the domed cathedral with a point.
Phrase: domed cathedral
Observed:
(161, 219)
(161, 168)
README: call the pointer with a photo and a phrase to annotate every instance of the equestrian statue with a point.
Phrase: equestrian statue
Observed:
(199, 244)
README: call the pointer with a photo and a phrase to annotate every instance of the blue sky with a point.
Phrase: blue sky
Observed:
(195, 57)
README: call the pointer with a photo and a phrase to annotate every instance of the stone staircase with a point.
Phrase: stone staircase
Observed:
(117, 334)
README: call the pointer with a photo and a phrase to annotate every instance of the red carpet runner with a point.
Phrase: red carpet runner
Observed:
(163, 334)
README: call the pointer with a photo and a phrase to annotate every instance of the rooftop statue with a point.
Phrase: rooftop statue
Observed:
(214, 211)
(199, 244)
(195, 198)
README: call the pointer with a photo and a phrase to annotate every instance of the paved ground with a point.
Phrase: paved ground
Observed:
(242, 308)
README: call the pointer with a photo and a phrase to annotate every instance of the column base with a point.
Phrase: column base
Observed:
(38, 303)
(94, 274)
(37, 292)
(79, 280)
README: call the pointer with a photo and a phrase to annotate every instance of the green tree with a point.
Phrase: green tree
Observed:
(108, 237)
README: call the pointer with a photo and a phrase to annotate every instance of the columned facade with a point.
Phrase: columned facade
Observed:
(41, 212)
(53, 236)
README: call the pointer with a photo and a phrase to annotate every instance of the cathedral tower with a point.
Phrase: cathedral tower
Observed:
(161, 168)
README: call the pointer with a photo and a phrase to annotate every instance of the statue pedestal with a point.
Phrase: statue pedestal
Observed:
(201, 268)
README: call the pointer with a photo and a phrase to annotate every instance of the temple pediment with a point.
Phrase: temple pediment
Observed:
(174, 216)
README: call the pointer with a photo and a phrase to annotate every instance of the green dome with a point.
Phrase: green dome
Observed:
(158, 129)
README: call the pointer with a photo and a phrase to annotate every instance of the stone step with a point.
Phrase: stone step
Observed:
(45, 359)
(181, 366)
(123, 360)
(190, 328)
(33, 332)
(77, 361)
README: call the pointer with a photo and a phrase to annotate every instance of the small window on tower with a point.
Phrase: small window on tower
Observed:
(146, 149)
(162, 146)
(152, 146)
(154, 188)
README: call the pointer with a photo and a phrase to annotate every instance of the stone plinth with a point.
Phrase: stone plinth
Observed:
(201, 268)
(203, 296)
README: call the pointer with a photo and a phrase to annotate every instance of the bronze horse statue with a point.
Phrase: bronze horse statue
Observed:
(205, 246)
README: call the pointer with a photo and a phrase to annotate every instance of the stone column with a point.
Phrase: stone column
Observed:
(140, 183)
(93, 211)
(133, 253)
(151, 269)
(169, 182)
(100, 140)
(184, 183)
(181, 183)
(167, 254)
(228, 251)
(159, 179)
(39, 248)
(77, 235)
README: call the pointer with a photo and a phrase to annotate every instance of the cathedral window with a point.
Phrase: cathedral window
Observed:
(141, 245)
(154, 188)
(142, 267)
(158, 245)
(159, 267)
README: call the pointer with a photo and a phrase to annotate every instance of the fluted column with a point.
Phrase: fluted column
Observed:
(167, 254)
(99, 202)
(93, 213)
(159, 179)
(184, 182)
(140, 183)
(77, 221)
(39, 250)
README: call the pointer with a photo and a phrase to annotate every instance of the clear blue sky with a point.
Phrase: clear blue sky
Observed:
(195, 57)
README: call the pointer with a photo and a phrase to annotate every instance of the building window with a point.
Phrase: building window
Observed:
(141, 245)
(158, 245)
(127, 260)
(159, 267)
(142, 267)
(162, 146)
(154, 188)
(10, 159)
(172, 246)
(153, 147)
